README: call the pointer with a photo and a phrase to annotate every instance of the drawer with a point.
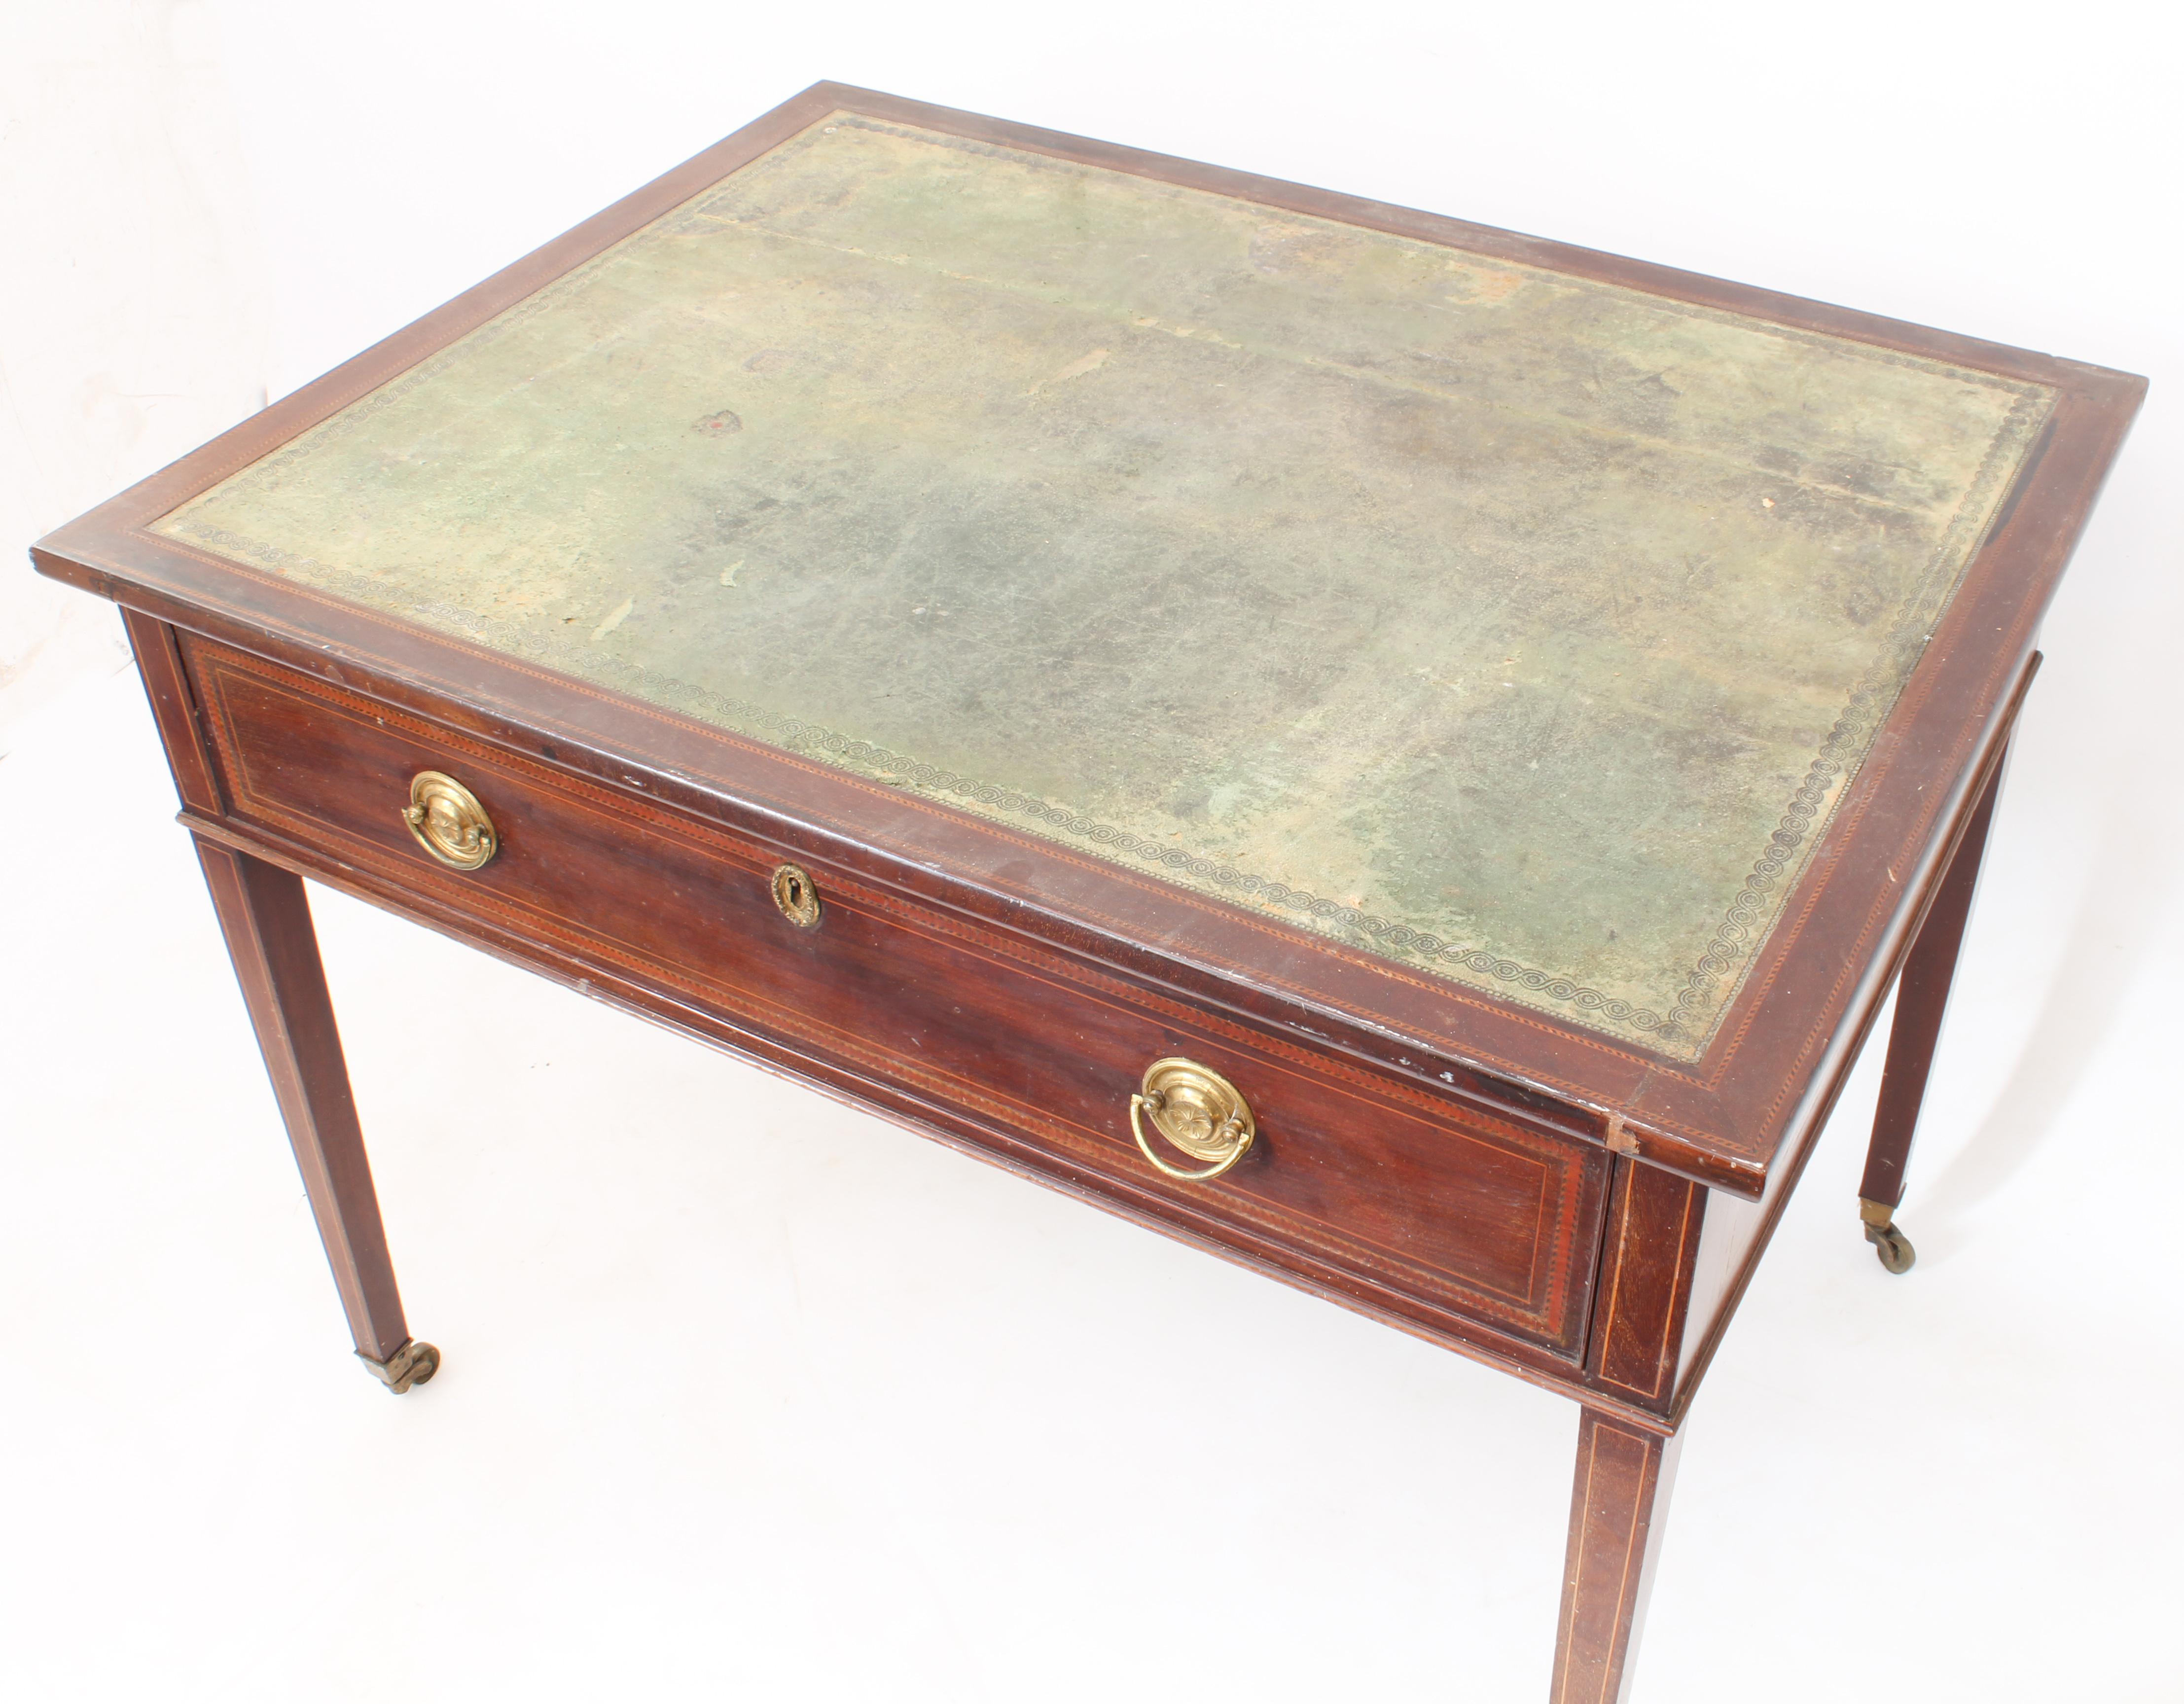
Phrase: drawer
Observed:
(1357, 1183)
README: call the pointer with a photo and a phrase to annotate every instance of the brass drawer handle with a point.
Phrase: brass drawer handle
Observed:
(1197, 1109)
(448, 821)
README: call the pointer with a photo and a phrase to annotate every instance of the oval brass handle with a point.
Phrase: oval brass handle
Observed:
(448, 821)
(1197, 1109)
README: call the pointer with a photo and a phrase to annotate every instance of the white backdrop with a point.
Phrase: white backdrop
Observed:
(750, 1395)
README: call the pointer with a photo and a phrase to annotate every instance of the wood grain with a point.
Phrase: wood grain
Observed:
(1617, 1507)
(1654, 1220)
(1432, 1155)
(267, 921)
(1357, 1180)
(1721, 1120)
(1922, 997)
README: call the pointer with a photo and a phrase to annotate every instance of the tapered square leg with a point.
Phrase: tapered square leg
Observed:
(266, 917)
(1617, 1507)
(1922, 997)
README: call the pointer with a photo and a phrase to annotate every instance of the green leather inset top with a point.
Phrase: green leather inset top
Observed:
(1520, 628)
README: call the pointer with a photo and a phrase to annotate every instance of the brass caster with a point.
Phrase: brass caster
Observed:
(414, 1363)
(1893, 1247)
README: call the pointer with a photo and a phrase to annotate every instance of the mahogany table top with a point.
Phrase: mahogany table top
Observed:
(1563, 663)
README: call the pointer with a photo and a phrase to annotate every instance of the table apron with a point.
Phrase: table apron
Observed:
(1472, 1230)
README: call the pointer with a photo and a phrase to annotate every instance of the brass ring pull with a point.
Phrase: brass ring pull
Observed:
(1199, 1111)
(448, 821)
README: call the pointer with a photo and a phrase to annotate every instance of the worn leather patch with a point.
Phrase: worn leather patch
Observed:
(1518, 627)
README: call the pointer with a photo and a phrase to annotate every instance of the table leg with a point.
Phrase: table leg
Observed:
(1617, 1507)
(267, 920)
(1922, 995)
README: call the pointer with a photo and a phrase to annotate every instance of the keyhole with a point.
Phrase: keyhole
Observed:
(795, 896)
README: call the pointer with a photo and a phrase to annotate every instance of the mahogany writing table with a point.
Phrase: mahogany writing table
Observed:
(1407, 755)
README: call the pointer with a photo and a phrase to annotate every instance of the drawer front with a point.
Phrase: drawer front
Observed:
(1357, 1183)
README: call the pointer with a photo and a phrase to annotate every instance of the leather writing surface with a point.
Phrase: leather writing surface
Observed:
(1522, 627)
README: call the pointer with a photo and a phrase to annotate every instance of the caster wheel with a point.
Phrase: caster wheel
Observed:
(425, 1359)
(1894, 1249)
(414, 1363)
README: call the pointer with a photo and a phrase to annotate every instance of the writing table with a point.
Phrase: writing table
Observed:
(1407, 756)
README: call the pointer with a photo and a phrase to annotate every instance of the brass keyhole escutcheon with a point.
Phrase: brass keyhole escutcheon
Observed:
(798, 897)
(448, 821)
(1198, 1112)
